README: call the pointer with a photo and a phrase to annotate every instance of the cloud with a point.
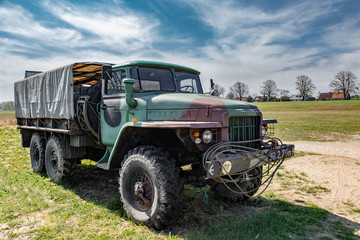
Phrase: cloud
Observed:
(250, 44)
(246, 43)
(74, 33)
(343, 35)
(115, 27)
(18, 21)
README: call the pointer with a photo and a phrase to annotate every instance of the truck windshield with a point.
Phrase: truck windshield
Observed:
(188, 82)
(152, 79)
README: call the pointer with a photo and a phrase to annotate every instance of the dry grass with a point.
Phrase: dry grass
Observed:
(7, 118)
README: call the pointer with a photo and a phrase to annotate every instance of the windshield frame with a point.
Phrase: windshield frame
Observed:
(197, 80)
(138, 88)
(140, 82)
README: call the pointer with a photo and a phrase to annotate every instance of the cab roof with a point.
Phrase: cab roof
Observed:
(154, 64)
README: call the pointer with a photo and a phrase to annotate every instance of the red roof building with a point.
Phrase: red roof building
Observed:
(325, 96)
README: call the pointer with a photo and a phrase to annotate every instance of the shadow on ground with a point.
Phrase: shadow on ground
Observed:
(255, 219)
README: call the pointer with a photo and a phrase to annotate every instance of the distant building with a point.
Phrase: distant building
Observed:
(340, 96)
(325, 96)
(311, 99)
(333, 96)
(296, 98)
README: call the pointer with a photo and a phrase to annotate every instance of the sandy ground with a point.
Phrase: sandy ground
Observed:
(337, 168)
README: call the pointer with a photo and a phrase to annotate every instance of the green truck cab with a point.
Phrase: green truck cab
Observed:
(154, 123)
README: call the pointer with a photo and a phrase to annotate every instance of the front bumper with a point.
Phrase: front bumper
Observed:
(233, 157)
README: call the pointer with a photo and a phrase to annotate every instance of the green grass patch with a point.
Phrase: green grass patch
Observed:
(7, 112)
(301, 154)
(314, 190)
(89, 207)
(313, 121)
(342, 232)
(282, 220)
(352, 207)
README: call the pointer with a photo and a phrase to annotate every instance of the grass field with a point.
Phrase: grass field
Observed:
(88, 207)
(7, 117)
(314, 121)
(6, 112)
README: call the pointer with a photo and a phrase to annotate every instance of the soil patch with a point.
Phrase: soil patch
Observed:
(335, 174)
(7, 119)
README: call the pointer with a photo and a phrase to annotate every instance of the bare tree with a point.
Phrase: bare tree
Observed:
(345, 82)
(269, 89)
(239, 90)
(304, 85)
(221, 91)
(284, 95)
(230, 95)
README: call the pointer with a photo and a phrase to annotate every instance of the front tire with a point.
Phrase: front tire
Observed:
(37, 153)
(150, 187)
(234, 194)
(57, 168)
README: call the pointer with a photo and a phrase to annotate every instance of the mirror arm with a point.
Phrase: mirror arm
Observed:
(129, 89)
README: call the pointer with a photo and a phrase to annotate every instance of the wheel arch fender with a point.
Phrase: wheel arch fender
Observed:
(121, 146)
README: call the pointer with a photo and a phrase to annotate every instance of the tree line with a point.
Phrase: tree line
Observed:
(7, 106)
(344, 82)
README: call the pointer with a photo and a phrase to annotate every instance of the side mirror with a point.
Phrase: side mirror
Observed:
(213, 91)
(106, 72)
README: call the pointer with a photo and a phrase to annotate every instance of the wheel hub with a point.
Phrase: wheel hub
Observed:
(139, 189)
(54, 160)
(143, 191)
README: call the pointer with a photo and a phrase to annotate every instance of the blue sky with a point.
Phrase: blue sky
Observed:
(248, 41)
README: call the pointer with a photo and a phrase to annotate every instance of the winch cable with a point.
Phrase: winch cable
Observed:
(215, 152)
(269, 180)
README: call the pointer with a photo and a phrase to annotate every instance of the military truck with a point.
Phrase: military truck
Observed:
(154, 123)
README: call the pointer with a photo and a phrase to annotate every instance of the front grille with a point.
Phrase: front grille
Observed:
(244, 129)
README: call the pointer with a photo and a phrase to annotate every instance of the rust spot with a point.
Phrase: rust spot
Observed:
(208, 110)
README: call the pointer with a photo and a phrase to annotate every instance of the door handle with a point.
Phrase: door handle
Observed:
(104, 107)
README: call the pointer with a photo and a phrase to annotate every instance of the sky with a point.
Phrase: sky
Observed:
(246, 40)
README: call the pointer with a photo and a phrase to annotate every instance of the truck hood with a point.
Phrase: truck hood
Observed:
(193, 101)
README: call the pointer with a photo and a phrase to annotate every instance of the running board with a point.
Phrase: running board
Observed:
(103, 163)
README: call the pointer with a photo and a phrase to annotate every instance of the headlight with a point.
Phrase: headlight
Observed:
(264, 130)
(207, 136)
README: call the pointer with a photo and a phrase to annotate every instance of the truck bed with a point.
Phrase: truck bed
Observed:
(50, 95)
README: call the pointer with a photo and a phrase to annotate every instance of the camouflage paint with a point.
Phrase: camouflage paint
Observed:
(171, 110)
(191, 111)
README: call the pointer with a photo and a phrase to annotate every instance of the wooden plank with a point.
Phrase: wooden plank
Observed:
(78, 66)
(89, 68)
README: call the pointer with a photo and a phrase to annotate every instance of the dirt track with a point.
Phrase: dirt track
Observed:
(336, 168)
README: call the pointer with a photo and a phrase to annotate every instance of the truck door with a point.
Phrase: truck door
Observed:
(112, 103)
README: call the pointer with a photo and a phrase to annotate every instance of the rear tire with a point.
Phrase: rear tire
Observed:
(57, 168)
(37, 153)
(150, 187)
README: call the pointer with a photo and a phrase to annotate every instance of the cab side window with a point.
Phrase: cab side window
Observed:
(114, 85)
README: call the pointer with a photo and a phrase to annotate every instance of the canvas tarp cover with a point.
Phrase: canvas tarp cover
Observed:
(46, 95)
